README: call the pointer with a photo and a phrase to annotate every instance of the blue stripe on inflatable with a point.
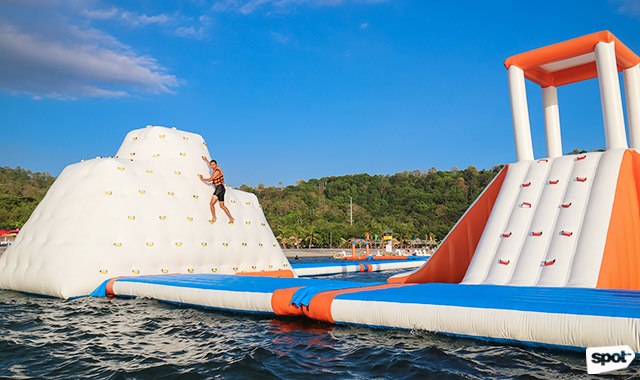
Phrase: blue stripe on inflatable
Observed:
(101, 291)
(347, 264)
(579, 301)
(323, 265)
(304, 295)
(253, 284)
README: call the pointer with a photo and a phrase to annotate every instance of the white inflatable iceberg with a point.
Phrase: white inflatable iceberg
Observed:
(142, 212)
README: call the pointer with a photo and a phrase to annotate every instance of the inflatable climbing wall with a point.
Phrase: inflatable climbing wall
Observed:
(142, 212)
(563, 220)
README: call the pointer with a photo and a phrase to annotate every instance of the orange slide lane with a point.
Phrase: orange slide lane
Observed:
(620, 267)
(450, 261)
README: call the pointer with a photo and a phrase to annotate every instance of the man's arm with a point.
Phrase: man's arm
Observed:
(213, 175)
(200, 175)
(210, 179)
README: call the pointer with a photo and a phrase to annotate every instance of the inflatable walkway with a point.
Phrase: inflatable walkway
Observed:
(318, 269)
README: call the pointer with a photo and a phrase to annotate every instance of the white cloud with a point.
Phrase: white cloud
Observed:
(250, 6)
(101, 14)
(142, 19)
(131, 18)
(198, 32)
(65, 61)
(628, 7)
(364, 25)
(279, 37)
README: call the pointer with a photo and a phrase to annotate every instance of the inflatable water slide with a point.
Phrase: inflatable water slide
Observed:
(548, 255)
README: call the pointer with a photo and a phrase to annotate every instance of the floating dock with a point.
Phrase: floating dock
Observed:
(319, 269)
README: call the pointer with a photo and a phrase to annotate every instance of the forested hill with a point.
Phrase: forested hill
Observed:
(416, 203)
(20, 192)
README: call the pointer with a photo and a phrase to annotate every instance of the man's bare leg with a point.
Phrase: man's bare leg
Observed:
(214, 199)
(225, 209)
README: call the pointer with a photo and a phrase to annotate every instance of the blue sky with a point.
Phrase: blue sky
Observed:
(283, 90)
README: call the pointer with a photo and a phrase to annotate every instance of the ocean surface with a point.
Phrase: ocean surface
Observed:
(105, 338)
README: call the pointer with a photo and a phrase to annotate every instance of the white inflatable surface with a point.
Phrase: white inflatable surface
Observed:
(142, 212)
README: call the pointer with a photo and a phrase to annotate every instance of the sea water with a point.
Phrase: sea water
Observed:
(146, 339)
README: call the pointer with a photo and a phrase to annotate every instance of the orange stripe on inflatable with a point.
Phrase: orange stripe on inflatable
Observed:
(281, 302)
(620, 267)
(109, 287)
(531, 61)
(272, 273)
(361, 267)
(369, 267)
(320, 305)
(450, 261)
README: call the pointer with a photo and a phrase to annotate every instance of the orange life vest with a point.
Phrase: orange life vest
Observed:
(218, 179)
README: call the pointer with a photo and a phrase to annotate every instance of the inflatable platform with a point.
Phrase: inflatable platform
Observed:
(548, 255)
(319, 269)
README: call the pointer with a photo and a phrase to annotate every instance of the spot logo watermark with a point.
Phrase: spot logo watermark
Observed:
(605, 359)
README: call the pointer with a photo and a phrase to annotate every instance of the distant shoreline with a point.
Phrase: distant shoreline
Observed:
(291, 253)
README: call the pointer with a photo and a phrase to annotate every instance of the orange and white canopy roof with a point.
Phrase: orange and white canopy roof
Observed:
(570, 61)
